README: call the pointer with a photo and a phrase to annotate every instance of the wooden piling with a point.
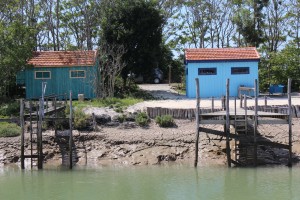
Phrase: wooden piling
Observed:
(246, 115)
(255, 122)
(197, 120)
(241, 101)
(227, 125)
(54, 102)
(22, 133)
(71, 134)
(212, 104)
(94, 122)
(31, 133)
(290, 122)
(266, 103)
(39, 136)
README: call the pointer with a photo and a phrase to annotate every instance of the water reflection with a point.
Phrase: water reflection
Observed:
(158, 182)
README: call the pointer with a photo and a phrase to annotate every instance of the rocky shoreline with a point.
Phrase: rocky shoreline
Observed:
(129, 144)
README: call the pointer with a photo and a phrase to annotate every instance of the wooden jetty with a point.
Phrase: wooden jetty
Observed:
(35, 115)
(245, 123)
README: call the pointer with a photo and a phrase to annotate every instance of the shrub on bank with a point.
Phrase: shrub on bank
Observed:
(9, 129)
(142, 119)
(9, 109)
(165, 121)
(81, 120)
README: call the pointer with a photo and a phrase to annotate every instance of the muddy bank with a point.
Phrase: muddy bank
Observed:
(128, 144)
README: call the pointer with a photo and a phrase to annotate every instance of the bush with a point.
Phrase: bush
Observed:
(80, 120)
(142, 119)
(10, 109)
(165, 121)
(9, 129)
(122, 118)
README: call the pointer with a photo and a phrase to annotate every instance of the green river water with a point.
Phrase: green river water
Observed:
(150, 182)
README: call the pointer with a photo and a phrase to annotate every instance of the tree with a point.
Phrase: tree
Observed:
(249, 21)
(137, 25)
(110, 66)
(16, 44)
(281, 66)
(274, 28)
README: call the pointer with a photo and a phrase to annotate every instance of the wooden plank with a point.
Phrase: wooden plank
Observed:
(272, 121)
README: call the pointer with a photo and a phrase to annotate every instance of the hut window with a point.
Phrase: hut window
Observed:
(77, 74)
(240, 70)
(207, 71)
(42, 75)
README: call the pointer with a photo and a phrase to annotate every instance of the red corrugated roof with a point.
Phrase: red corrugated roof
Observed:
(247, 53)
(63, 58)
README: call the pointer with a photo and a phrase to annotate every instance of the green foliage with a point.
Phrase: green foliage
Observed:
(281, 66)
(11, 108)
(137, 25)
(116, 103)
(165, 121)
(16, 44)
(142, 119)
(9, 129)
(80, 120)
(122, 118)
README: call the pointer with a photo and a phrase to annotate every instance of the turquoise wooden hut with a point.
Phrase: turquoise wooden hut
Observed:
(63, 71)
(214, 65)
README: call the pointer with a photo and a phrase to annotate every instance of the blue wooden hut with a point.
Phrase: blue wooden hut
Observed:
(63, 71)
(213, 66)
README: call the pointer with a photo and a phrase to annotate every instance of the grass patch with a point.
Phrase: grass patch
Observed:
(142, 119)
(117, 104)
(9, 129)
(165, 121)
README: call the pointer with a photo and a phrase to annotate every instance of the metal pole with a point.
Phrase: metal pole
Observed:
(197, 121)
(227, 125)
(71, 134)
(290, 122)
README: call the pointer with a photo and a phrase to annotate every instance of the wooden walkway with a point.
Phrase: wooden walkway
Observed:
(245, 123)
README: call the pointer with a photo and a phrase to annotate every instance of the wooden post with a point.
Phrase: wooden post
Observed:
(266, 103)
(290, 162)
(94, 122)
(71, 134)
(31, 132)
(227, 125)
(212, 104)
(255, 122)
(170, 75)
(39, 137)
(223, 102)
(197, 120)
(22, 133)
(241, 101)
(246, 117)
(55, 107)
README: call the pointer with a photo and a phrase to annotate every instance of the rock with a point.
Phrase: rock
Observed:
(128, 125)
(170, 157)
(112, 124)
(103, 119)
